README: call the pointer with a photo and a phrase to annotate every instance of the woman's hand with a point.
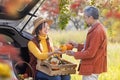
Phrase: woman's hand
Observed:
(55, 52)
(50, 53)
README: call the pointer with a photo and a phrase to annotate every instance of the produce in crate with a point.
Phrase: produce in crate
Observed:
(56, 60)
(64, 67)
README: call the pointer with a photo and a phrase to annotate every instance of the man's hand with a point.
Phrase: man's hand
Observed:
(70, 52)
(74, 44)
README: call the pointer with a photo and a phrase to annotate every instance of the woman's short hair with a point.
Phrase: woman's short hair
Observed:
(91, 11)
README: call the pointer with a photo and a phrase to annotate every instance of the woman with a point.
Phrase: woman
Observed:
(41, 48)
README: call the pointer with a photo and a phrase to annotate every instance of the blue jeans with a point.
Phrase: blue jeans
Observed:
(42, 76)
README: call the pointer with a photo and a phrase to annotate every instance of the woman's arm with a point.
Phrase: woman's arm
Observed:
(36, 52)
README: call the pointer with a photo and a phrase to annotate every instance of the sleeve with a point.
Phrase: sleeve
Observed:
(36, 52)
(80, 47)
(92, 49)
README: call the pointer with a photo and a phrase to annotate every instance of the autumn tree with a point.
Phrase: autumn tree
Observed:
(63, 10)
(58, 11)
(76, 8)
(52, 10)
(110, 13)
(64, 13)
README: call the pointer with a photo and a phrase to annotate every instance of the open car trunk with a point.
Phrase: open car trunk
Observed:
(13, 28)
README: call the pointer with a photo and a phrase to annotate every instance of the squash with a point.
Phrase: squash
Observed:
(66, 47)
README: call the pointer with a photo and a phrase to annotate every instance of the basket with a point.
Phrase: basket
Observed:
(32, 77)
(54, 70)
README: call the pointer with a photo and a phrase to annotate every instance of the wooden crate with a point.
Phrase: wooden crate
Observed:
(62, 69)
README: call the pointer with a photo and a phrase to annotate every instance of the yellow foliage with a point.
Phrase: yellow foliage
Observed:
(104, 12)
(116, 27)
(5, 70)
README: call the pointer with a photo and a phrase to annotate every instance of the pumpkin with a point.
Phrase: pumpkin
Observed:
(63, 48)
(69, 46)
(66, 47)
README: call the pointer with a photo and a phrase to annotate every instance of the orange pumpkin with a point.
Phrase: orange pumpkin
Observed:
(69, 46)
(63, 48)
(66, 47)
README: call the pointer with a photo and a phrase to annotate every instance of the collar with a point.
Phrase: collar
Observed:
(94, 26)
(42, 37)
(94, 23)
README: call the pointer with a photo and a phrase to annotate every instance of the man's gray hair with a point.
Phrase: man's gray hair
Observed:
(91, 11)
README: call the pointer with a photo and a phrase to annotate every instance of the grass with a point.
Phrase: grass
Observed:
(113, 53)
(61, 37)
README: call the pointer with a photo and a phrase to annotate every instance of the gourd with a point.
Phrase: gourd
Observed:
(66, 47)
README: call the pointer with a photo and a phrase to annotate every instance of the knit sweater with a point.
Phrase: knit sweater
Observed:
(43, 54)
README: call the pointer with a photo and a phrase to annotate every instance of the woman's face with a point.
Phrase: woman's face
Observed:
(45, 28)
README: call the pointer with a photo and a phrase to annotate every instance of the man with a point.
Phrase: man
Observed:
(93, 54)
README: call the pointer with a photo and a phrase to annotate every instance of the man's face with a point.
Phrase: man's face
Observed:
(87, 20)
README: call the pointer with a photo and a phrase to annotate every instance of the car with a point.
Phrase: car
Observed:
(17, 28)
